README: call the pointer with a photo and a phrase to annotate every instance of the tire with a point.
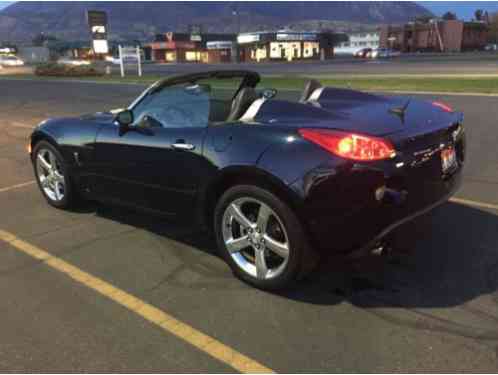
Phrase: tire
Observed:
(63, 197)
(229, 232)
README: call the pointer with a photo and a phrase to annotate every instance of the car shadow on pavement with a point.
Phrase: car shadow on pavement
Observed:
(445, 258)
(441, 275)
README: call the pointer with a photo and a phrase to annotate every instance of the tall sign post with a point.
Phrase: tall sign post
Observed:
(121, 62)
(139, 58)
(97, 22)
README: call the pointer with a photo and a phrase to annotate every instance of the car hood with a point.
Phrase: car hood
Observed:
(101, 117)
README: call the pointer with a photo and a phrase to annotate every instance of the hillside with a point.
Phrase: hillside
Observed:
(141, 20)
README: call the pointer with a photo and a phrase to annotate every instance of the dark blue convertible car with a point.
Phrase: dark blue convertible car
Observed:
(278, 182)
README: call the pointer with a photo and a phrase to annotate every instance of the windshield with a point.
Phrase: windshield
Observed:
(189, 104)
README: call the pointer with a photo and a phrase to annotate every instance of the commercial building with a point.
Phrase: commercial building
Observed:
(284, 45)
(358, 41)
(436, 35)
(184, 47)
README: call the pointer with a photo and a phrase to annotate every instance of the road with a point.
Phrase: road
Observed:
(465, 64)
(460, 64)
(430, 306)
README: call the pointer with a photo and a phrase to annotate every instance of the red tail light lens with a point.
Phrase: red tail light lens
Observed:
(443, 106)
(349, 145)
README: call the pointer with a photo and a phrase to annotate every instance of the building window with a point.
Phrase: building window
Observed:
(170, 56)
(193, 56)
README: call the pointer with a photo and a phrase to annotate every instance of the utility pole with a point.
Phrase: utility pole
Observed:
(236, 13)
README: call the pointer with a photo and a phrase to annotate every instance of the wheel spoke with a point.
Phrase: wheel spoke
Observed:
(239, 216)
(59, 177)
(281, 249)
(53, 161)
(45, 164)
(44, 181)
(57, 192)
(263, 216)
(261, 267)
(235, 245)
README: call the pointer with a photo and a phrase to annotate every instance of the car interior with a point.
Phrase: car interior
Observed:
(216, 103)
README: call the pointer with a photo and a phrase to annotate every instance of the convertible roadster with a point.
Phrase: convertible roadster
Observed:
(279, 182)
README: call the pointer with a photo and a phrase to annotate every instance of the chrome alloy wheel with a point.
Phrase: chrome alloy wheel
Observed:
(256, 238)
(50, 175)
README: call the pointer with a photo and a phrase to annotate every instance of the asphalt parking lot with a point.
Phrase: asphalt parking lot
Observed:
(431, 306)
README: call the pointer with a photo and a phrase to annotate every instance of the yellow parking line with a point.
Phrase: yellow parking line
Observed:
(16, 124)
(2, 190)
(158, 317)
(474, 203)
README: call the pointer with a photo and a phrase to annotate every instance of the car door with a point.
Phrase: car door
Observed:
(158, 162)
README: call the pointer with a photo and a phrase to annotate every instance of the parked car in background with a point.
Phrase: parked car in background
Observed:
(491, 47)
(113, 60)
(362, 53)
(11, 61)
(127, 59)
(74, 62)
(383, 53)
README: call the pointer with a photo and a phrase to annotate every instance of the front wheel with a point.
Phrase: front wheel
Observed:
(52, 175)
(260, 237)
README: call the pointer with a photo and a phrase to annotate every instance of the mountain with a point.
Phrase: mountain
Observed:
(141, 20)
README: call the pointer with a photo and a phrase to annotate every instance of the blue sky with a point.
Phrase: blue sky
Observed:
(463, 9)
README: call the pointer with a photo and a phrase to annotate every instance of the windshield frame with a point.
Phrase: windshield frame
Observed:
(249, 79)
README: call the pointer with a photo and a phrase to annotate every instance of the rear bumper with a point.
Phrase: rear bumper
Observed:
(355, 220)
(414, 212)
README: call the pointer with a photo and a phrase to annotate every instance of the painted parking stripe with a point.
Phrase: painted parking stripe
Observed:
(16, 124)
(166, 322)
(13, 187)
(474, 203)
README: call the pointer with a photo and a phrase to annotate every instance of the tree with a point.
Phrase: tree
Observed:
(330, 38)
(423, 19)
(493, 29)
(478, 14)
(448, 16)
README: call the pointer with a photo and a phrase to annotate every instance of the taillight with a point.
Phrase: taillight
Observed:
(349, 145)
(443, 106)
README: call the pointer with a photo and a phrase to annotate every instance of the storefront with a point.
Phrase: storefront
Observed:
(286, 45)
(201, 48)
(221, 51)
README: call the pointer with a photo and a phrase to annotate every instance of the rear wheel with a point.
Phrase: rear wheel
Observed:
(52, 175)
(260, 237)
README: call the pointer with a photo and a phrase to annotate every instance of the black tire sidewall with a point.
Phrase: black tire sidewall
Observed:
(67, 200)
(293, 228)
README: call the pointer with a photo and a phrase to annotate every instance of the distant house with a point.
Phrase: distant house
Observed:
(357, 41)
(436, 35)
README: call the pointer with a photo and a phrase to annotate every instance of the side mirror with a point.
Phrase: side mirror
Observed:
(124, 119)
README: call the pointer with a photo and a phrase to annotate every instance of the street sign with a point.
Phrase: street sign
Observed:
(130, 55)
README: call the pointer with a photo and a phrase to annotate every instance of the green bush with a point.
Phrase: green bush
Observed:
(63, 70)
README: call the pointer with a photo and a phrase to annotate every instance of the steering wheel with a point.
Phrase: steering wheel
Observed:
(173, 116)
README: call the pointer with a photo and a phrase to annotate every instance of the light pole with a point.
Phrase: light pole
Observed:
(235, 13)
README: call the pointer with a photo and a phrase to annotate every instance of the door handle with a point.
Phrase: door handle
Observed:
(182, 146)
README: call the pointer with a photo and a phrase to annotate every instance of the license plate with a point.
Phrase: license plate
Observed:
(448, 159)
